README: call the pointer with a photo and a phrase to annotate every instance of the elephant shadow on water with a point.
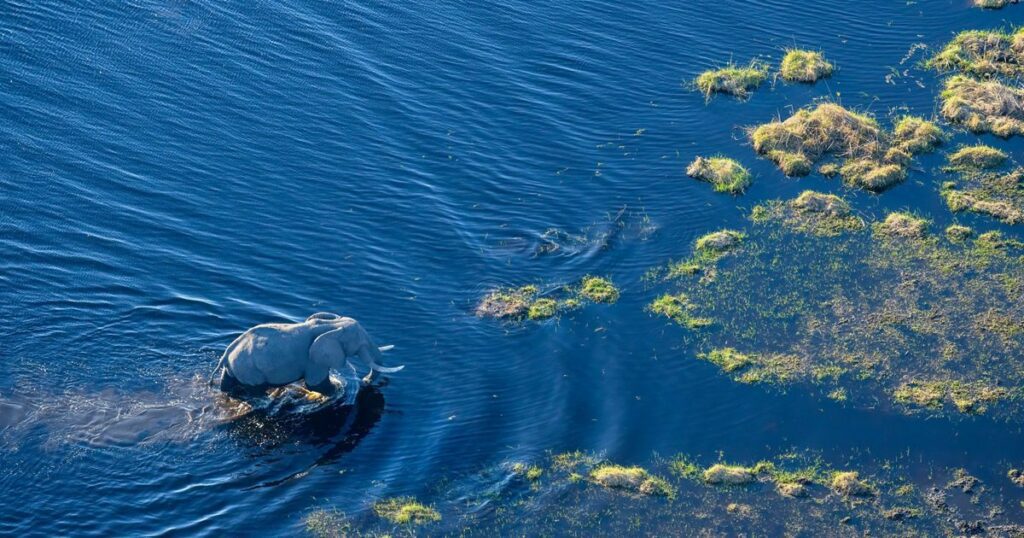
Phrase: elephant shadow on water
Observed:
(288, 415)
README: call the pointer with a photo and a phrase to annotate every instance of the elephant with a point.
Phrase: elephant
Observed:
(277, 354)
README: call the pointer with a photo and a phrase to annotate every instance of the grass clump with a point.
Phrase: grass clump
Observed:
(982, 53)
(724, 174)
(958, 233)
(913, 136)
(968, 398)
(543, 308)
(984, 106)
(599, 290)
(711, 247)
(728, 475)
(732, 79)
(405, 511)
(994, 4)
(997, 195)
(849, 484)
(755, 368)
(634, 479)
(979, 157)
(507, 303)
(531, 472)
(328, 523)
(902, 225)
(811, 212)
(804, 66)
(873, 159)
(679, 309)
(728, 359)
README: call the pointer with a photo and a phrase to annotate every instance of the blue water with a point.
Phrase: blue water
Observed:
(175, 172)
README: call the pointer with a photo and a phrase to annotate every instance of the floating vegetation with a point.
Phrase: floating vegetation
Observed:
(958, 233)
(872, 159)
(723, 173)
(543, 308)
(902, 225)
(849, 484)
(405, 511)
(812, 212)
(787, 494)
(328, 523)
(977, 157)
(728, 475)
(679, 309)
(994, 4)
(984, 106)
(711, 247)
(997, 195)
(983, 52)
(804, 66)
(924, 321)
(507, 303)
(732, 79)
(599, 290)
(530, 472)
(634, 479)
(518, 304)
(966, 397)
(756, 367)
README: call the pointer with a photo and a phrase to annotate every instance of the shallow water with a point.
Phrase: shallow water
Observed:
(177, 172)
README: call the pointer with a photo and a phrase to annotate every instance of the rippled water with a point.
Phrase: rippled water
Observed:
(175, 172)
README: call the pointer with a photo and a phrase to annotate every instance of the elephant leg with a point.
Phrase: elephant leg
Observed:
(231, 386)
(318, 379)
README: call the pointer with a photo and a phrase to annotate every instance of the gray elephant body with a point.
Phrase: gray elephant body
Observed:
(276, 354)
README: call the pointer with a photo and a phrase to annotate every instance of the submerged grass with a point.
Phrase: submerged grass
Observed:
(998, 195)
(857, 316)
(406, 511)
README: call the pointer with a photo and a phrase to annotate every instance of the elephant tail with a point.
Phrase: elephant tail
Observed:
(220, 364)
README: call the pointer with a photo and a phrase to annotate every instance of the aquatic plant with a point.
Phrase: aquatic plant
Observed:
(507, 303)
(958, 233)
(679, 309)
(873, 159)
(543, 308)
(811, 212)
(635, 479)
(849, 484)
(328, 523)
(724, 174)
(732, 79)
(994, 4)
(982, 53)
(804, 66)
(728, 475)
(901, 224)
(997, 195)
(857, 316)
(984, 106)
(599, 290)
(405, 511)
(530, 472)
(976, 157)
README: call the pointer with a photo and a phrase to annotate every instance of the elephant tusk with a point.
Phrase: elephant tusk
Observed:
(386, 348)
(387, 370)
